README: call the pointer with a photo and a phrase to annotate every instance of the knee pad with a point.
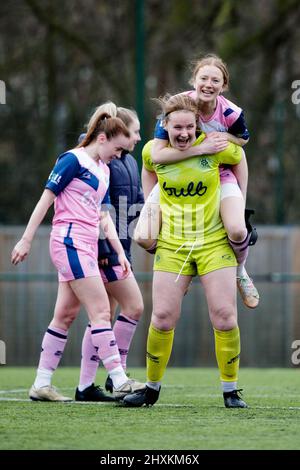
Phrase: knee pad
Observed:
(251, 230)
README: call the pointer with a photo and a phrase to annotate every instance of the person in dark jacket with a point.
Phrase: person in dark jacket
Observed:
(126, 200)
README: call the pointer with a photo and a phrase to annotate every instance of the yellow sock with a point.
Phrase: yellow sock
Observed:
(227, 344)
(159, 348)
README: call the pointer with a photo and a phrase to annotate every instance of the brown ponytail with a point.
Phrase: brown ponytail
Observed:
(104, 123)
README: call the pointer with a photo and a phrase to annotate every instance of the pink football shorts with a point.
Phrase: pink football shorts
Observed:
(114, 273)
(74, 259)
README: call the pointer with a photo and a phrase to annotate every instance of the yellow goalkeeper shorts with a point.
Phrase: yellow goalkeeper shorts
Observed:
(191, 258)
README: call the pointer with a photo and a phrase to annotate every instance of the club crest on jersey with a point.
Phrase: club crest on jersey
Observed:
(204, 162)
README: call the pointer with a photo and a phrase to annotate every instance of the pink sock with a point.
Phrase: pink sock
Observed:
(89, 359)
(240, 249)
(104, 339)
(124, 329)
(53, 346)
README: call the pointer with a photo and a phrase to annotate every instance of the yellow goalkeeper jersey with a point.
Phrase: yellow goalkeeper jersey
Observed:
(190, 195)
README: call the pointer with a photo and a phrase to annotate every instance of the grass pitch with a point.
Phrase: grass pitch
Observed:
(189, 415)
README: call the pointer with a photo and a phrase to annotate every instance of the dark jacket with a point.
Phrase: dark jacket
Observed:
(126, 197)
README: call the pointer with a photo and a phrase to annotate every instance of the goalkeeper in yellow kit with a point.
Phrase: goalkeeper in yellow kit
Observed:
(192, 241)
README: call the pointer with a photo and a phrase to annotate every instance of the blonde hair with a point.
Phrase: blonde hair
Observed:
(109, 108)
(181, 102)
(128, 116)
(210, 59)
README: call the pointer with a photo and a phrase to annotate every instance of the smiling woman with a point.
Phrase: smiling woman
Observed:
(112, 138)
(78, 185)
(192, 241)
(223, 122)
(122, 288)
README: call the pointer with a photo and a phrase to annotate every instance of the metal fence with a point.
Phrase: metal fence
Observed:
(28, 294)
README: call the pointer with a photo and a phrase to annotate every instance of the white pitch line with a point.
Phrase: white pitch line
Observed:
(170, 405)
(14, 399)
(161, 405)
(199, 395)
(274, 407)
